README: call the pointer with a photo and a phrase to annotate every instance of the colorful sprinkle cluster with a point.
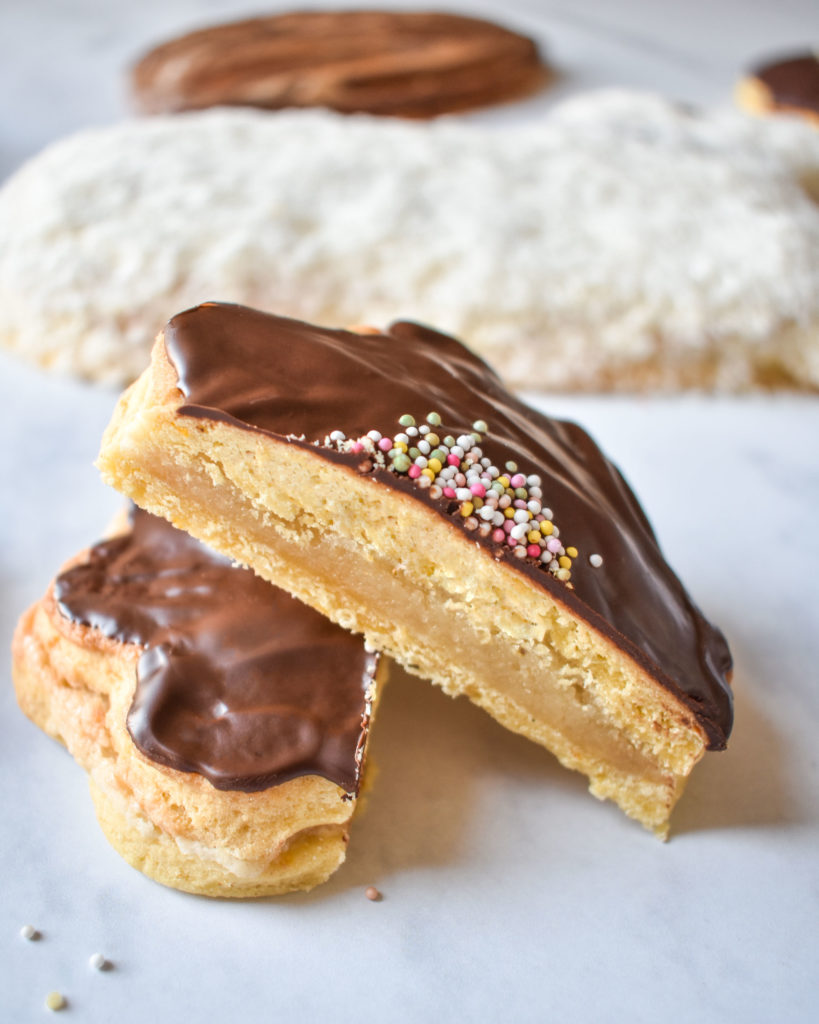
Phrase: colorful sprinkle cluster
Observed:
(503, 504)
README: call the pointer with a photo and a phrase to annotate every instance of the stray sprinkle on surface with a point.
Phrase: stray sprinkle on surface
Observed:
(596, 561)
(98, 962)
(372, 893)
(504, 505)
(55, 1001)
(28, 931)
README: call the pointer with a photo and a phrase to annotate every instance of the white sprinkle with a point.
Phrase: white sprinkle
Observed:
(421, 461)
(596, 560)
(535, 492)
(521, 516)
(494, 472)
(533, 506)
(520, 551)
(412, 431)
(456, 449)
(533, 480)
(423, 482)
(424, 429)
(338, 435)
(98, 961)
(28, 931)
(435, 491)
(547, 513)
(463, 494)
(518, 532)
(368, 647)
(400, 439)
(498, 519)
(374, 435)
(487, 512)
(486, 462)
(485, 529)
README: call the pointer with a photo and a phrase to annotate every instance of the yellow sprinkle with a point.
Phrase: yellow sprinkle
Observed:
(400, 445)
(466, 509)
(426, 471)
(533, 536)
(509, 513)
(571, 552)
(564, 562)
(563, 574)
(503, 480)
(54, 1001)
(547, 527)
(435, 465)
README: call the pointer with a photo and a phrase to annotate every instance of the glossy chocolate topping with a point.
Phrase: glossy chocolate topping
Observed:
(793, 83)
(298, 383)
(238, 681)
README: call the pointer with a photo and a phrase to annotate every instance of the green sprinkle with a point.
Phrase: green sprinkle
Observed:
(434, 419)
(498, 487)
(406, 420)
(449, 441)
(401, 463)
(521, 492)
(414, 453)
(480, 426)
(512, 467)
(476, 437)
(436, 453)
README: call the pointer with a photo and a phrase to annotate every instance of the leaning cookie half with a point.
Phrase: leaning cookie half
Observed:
(223, 724)
(390, 481)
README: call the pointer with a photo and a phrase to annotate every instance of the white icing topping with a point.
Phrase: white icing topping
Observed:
(617, 228)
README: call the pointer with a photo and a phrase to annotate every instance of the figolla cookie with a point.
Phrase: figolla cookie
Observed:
(395, 63)
(787, 85)
(391, 481)
(562, 250)
(222, 723)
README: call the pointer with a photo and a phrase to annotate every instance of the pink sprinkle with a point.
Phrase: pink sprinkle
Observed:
(508, 526)
(519, 503)
(356, 447)
(533, 550)
(385, 444)
(553, 545)
(449, 492)
(453, 460)
(510, 540)
(498, 536)
(414, 472)
(518, 480)
(479, 490)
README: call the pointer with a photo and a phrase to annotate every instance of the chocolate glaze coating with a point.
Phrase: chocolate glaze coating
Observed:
(238, 681)
(793, 82)
(298, 383)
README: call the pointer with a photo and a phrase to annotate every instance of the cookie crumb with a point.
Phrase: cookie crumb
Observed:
(28, 931)
(55, 1001)
(98, 962)
(372, 893)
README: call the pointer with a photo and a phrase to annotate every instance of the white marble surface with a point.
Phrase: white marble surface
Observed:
(510, 894)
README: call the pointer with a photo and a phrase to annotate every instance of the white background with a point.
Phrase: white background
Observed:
(509, 893)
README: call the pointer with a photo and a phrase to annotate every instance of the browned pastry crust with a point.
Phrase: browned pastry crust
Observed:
(403, 64)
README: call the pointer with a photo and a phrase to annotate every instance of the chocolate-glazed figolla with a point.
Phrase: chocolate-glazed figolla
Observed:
(793, 83)
(299, 383)
(237, 681)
